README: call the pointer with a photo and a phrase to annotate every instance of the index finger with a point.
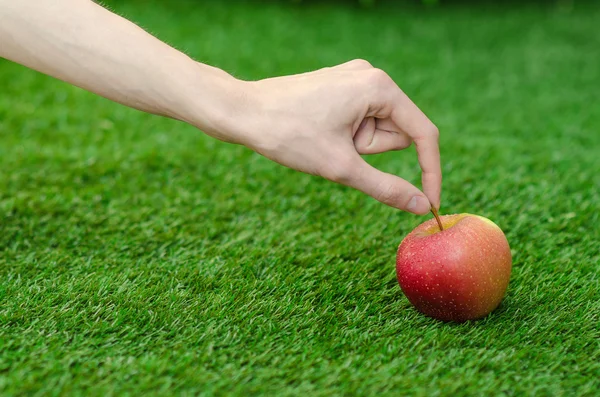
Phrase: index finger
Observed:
(410, 119)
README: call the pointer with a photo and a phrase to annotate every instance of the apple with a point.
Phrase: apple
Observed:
(456, 269)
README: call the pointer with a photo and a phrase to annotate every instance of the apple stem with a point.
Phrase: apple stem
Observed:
(437, 218)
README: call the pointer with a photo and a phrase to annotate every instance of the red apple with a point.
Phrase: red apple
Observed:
(459, 273)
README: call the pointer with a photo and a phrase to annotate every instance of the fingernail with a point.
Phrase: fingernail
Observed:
(418, 205)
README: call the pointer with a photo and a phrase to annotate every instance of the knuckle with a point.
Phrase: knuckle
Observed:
(388, 195)
(428, 132)
(433, 131)
(378, 77)
(361, 63)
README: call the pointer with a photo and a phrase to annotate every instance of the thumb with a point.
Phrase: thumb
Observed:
(389, 189)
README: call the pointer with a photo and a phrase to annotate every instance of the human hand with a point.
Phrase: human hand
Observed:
(318, 122)
(321, 122)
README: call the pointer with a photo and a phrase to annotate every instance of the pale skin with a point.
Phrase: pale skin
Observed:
(319, 122)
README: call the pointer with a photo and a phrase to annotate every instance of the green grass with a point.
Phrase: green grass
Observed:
(138, 256)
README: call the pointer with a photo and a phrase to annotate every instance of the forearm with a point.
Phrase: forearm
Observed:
(86, 45)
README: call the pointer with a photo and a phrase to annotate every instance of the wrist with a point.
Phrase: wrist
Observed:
(212, 101)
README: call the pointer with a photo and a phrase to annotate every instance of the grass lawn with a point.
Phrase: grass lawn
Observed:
(138, 256)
